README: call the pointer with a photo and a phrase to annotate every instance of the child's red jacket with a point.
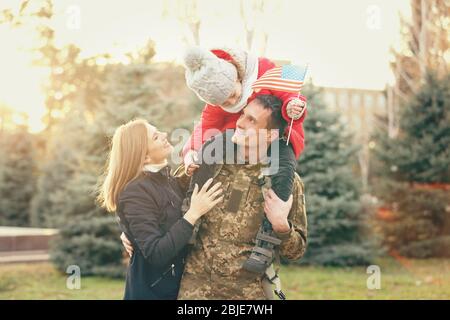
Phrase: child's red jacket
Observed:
(214, 117)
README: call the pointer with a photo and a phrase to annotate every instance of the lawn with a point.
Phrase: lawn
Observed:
(404, 279)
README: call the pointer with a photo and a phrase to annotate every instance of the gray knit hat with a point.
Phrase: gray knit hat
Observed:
(211, 78)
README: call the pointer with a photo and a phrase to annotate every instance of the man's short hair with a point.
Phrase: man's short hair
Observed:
(273, 103)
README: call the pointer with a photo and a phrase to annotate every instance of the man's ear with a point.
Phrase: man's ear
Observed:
(273, 134)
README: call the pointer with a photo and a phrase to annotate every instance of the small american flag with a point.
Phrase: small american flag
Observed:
(288, 78)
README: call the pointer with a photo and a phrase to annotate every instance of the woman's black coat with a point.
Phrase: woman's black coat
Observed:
(149, 211)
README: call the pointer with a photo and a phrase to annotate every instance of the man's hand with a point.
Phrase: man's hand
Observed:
(296, 108)
(277, 211)
(127, 244)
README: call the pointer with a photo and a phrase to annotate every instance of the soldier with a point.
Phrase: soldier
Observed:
(225, 237)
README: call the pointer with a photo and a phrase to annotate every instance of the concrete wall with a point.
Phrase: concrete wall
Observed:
(25, 244)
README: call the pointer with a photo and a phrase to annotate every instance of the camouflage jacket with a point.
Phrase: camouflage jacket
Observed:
(226, 236)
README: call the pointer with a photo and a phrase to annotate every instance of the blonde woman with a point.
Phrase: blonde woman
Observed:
(147, 199)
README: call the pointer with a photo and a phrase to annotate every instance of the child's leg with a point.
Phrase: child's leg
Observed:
(283, 180)
(281, 183)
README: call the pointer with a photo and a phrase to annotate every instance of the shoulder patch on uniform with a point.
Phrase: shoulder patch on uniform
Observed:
(234, 200)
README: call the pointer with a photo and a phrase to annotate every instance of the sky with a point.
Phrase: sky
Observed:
(346, 43)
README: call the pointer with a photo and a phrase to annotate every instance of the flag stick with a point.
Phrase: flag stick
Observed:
(292, 119)
(292, 122)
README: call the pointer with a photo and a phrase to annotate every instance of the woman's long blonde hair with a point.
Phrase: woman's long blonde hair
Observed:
(126, 160)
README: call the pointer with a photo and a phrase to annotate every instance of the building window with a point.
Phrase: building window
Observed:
(330, 100)
(382, 101)
(343, 100)
(368, 100)
(357, 123)
(356, 100)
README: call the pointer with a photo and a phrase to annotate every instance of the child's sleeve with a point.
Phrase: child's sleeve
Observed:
(210, 119)
(287, 97)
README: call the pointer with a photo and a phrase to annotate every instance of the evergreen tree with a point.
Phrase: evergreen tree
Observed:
(56, 169)
(413, 174)
(337, 233)
(89, 236)
(72, 81)
(421, 153)
(17, 178)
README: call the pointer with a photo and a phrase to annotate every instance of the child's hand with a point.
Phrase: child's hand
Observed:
(189, 163)
(191, 168)
(295, 108)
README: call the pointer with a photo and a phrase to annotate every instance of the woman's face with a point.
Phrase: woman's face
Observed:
(159, 147)
(235, 96)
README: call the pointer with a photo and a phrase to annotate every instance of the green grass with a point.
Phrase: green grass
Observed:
(42, 281)
(405, 279)
(410, 279)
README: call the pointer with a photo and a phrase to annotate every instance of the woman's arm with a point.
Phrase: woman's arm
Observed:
(142, 214)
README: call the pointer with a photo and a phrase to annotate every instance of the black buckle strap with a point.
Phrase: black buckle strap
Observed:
(265, 252)
(262, 259)
(266, 237)
(280, 294)
(261, 181)
(273, 278)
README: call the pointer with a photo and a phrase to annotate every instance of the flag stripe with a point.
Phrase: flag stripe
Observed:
(273, 74)
(281, 81)
(286, 78)
(277, 69)
(276, 85)
(281, 88)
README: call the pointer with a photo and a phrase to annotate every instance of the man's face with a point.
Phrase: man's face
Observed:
(252, 126)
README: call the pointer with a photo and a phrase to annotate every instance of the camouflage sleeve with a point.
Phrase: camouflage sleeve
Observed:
(293, 243)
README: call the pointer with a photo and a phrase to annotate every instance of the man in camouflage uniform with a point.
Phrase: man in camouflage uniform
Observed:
(226, 235)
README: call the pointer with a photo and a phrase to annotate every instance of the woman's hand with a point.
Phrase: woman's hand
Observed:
(204, 200)
(127, 244)
(295, 108)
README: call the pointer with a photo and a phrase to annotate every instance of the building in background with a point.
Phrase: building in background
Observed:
(359, 108)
